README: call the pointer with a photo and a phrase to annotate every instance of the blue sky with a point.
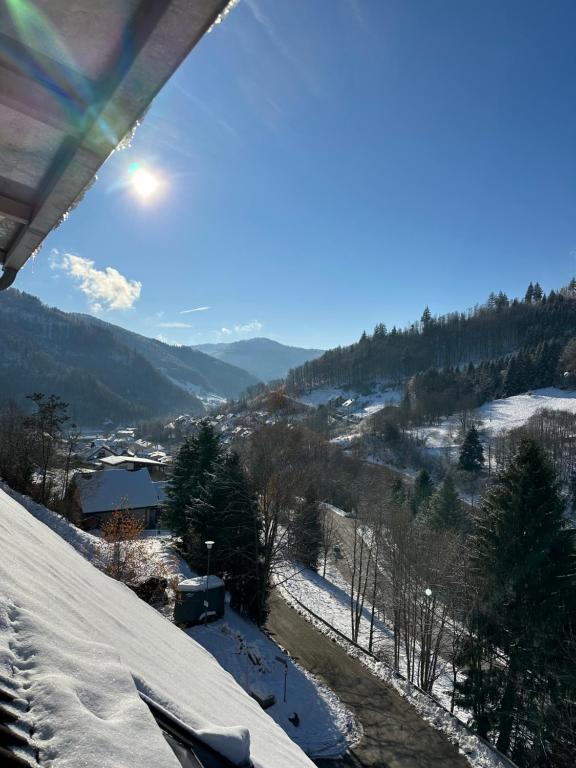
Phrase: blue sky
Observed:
(325, 165)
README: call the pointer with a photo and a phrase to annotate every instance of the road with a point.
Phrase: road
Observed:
(394, 734)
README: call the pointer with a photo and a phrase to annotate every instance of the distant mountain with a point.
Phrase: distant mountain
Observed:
(264, 358)
(101, 370)
(197, 372)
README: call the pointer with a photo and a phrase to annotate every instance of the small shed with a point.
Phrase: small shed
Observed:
(196, 596)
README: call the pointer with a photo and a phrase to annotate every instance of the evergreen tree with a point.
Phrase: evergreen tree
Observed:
(524, 572)
(223, 509)
(471, 453)
(445, 511)
(235, 527)
(423, 490)
(538, 293)
(307, 531)
(398, 491)
(195, 461)
(426, 318)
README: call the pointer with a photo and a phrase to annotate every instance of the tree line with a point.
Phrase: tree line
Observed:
(490, 592)
(493, 330)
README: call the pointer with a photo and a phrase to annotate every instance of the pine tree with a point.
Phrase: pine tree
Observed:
(529, 294)
(445, 511)
(307, 531)
(236, 529)
(398, 491)
(195, 461)
(471, 453)
(426, 318)
(423, 490)
(524, 571)
(538, 292)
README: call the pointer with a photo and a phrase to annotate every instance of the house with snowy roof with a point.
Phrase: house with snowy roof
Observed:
(99, 494)
(130, 462)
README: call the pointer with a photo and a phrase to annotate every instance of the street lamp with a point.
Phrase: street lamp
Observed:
(209, 545)
(284, 661)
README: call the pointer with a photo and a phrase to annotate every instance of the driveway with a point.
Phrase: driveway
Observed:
(394, 734)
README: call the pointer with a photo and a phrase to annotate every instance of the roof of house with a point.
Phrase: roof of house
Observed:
(89, 646)
(200, 584)
(115, 461)
(121, 489)
(74, 80)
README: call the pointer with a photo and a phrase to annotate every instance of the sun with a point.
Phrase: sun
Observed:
(144, 182)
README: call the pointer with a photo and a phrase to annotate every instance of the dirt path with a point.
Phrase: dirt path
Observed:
(394, 734)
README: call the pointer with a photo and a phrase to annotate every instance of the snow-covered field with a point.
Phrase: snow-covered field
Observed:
(499, 415)
(330, 599)
(79, 647)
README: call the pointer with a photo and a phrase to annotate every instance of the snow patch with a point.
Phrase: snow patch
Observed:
(327, 728)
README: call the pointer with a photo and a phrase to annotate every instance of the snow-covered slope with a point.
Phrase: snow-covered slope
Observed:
(499, 415)
(360, 405)
(81, 646)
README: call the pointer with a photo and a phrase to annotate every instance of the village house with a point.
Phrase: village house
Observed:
(99, 494)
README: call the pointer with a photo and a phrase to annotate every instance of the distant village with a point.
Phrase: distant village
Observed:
(128, 467)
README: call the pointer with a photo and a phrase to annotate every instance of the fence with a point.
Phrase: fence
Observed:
(398, 675)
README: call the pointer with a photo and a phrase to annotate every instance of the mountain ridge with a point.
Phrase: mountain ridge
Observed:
(103, 371)
(263, 357)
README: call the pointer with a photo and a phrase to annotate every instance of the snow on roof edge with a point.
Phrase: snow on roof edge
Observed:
(45, 578)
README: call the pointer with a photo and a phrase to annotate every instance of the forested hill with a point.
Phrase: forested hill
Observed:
(496, 329)
(101, 370)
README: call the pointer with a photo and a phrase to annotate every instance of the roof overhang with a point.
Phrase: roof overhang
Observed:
(75, 77)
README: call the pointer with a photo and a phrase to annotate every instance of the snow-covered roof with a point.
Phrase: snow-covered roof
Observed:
(114, 461)
(121, 489)
(87, 645)
(199, 583)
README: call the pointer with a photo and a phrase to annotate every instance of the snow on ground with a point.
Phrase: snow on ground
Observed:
(361, 405)
(82, 645)
(512, 412)
(498, 415)
(330, 599)
(326, 727)
(209, 399)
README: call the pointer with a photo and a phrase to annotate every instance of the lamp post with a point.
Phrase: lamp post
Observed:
(209, 545)
(284, 662)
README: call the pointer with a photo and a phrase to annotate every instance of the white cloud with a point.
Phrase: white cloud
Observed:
(196, 309)
(105, 289)
(174, 325)
(252, 327)
(255, 325)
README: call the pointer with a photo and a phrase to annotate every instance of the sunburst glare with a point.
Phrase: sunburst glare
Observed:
(144, 182)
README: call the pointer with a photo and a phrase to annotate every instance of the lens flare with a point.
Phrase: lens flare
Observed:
(143, 182)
